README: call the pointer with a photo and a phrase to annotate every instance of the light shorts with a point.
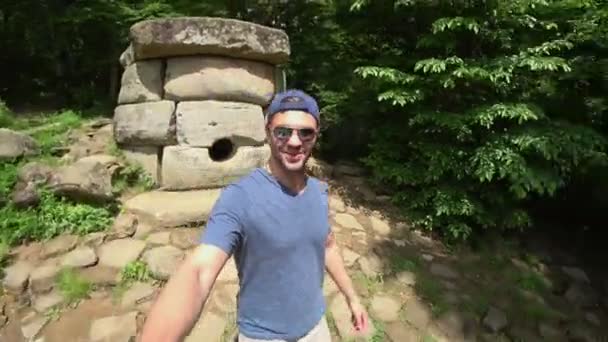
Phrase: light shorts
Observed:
(320, 333)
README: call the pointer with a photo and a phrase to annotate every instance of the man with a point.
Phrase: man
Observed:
(275, 222)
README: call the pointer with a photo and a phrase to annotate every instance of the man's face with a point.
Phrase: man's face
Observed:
(292, 135)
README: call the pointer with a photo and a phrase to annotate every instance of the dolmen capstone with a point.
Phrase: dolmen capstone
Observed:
(193, 90)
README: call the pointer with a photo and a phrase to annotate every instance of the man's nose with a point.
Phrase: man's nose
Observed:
(294, 139)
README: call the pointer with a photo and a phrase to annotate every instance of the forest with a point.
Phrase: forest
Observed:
(480, 116)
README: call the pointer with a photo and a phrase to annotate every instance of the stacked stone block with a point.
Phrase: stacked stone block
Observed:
(190, 106)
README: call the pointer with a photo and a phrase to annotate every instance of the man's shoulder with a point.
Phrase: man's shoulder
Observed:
(245, 184)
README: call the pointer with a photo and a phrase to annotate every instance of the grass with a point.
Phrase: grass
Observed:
(231, 328)
(72, 286)
(135, 271)
(431, 291)
(132, 176)
(54, 215)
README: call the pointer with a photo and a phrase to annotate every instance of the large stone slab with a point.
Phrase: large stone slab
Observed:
(201, 123)
(203, 35)
(218, 78)
(174, 209)
(146, 157)
(186, 167)
(149, 123)
(119, 253)
(14, 144)
(141, 82)
(114, 328)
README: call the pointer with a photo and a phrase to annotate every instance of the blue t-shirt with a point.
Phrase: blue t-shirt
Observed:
(278, 241)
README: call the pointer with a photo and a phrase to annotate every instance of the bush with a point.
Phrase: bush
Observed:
(468, 131)
(52, 217)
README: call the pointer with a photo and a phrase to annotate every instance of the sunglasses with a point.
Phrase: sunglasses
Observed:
(284, 133)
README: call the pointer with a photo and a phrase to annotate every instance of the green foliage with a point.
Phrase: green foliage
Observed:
(73, 287)
(134, 272)
(132, 175)
(53, 216)
(469, 136)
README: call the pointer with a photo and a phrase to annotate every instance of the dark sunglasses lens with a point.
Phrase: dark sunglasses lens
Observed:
(307, 133)
(282, 132)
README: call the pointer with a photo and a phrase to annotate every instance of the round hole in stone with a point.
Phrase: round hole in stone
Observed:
(221, 149)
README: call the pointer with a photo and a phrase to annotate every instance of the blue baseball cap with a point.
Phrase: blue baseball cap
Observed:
(293, 99)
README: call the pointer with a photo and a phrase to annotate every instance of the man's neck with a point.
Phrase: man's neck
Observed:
(293, 180)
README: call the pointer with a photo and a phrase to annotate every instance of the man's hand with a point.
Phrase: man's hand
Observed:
(359, 316)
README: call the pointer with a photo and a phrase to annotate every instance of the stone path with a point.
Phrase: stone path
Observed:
(76, 288)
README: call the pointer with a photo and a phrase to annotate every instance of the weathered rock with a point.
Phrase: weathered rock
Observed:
(94, 239)
(336, 203)
(59, 245)
(159, 238)
(137, 293)
(349, 256)
(319, 169)
(213, 36)
(80, 257)
(109, 162)
(229, 273)
(209, 327)
(148, 123)
(163, 261)
(201, 123)
(398, 332)
(42, 278)
(519, 333)
(342, 318)
(549, 332)
(379, 226)
(3, 321)
(34, 172)
(593, 319)
(14, 144)
(577, 332)
(146, 157)
(406, 278)
(85, 180)
(185, 238)
(16, 276)
(329, 286)
(101, 275)
(416, 313)
(126, 57)
(192, 167)
(118, 253)
(495, 320)
(224, 297)
(576, 274)
(25, 195)
(348, 169)
(215, 78)
(371, 265)
(124, 226)
(427, 257)
(581, 295)
(143, 230)
(444, 271)
(31, 329)
(46, 302)
(114, 328)
(385, 308)
(141, 82)
(174, 209)
(348, 221)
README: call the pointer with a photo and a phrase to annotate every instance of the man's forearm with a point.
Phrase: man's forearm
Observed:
(178, 307)
(335, 267)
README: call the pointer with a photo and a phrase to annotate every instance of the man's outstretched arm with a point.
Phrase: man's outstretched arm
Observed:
(335, 267)
(181, 300)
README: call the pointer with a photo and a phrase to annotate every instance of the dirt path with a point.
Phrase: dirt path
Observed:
(414, 288)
